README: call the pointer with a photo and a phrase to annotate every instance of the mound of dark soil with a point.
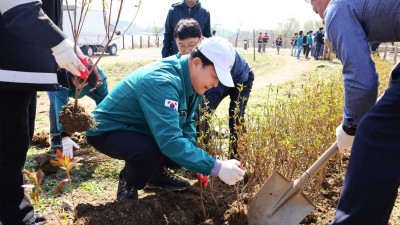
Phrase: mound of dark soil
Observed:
(75, 119)
(166, 207)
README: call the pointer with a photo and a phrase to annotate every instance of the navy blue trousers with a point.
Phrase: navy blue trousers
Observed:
(214, 97)
(17, 119)
(372, 179)
(140, 152)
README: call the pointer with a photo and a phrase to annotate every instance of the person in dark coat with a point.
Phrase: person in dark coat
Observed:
(31, 47)
(183, 10)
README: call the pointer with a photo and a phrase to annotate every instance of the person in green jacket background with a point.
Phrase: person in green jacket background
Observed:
(147, 120)
(95, 88)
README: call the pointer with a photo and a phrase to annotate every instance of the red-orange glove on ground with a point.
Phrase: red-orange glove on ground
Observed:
(202, 179)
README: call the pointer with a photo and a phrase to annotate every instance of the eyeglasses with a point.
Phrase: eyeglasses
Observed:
(190, 46)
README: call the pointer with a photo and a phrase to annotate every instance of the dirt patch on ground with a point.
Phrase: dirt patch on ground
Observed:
(293, 69)
(164, 207)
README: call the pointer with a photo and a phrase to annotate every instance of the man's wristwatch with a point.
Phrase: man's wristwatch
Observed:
(349, 130)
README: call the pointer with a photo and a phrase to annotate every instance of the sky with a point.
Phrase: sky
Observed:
(230, 14)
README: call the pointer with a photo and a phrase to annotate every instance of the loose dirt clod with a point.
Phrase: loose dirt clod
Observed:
(43, 163)
(75, 120)
(41, 139)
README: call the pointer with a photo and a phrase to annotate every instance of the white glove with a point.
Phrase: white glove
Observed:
(66, 57)
(230, 172)
(68, 147)
(344, 141)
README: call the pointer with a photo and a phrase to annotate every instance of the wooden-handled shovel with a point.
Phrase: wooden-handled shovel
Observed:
(281, 202)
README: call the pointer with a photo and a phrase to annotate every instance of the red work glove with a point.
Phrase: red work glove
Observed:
(85, 62)
(202, 179)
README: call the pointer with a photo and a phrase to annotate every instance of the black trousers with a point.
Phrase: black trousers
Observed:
(214, 97)
(17, 119)
(140, 152)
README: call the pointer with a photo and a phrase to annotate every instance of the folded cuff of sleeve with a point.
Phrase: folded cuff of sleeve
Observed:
(217, 167)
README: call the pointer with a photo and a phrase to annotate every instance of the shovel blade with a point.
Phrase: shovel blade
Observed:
(292, 212)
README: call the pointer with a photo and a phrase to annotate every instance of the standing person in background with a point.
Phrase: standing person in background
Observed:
(305, 46)
(187, 33)
(293, 44)
(372, 177)
(259, 42)
(31, 47)
(314, 43)
(319, 39)
(309, 43)
(278, 43)
(178, 11)
(299, 44)
(265, 39)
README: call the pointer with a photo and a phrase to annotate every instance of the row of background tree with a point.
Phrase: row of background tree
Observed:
(155, 33)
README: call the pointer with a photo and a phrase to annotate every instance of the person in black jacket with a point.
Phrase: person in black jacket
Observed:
(319, 39)
(31, 47)
(183, 10)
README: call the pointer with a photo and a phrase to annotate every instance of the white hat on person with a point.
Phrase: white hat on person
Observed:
(221, 53)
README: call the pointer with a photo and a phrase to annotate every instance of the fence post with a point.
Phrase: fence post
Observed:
(132, 41)
(395, 55)
(148, 41)
(123, 41)
(140, 41)
(384, 55)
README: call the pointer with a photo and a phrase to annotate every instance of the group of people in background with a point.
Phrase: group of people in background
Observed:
(263, 39)
(316, 43)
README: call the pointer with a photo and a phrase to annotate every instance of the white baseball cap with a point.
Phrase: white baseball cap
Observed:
(220, 52)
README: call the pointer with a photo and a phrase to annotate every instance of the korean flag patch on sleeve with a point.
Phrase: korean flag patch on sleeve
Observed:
(171, 104)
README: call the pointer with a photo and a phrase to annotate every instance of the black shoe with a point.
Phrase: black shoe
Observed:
(165, 180)
(56, 143)
(39, 219)
(126, 192)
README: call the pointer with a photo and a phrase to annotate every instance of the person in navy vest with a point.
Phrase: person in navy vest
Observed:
(183, 10)
(32, 49)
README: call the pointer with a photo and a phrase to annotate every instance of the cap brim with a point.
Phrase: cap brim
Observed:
(224, 76)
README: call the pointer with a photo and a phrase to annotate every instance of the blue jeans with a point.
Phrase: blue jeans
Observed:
(312, 51)
(321, 50)
(373, 175)
(293, 50)
(299, 48)
(318, 50)
(52, 116)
